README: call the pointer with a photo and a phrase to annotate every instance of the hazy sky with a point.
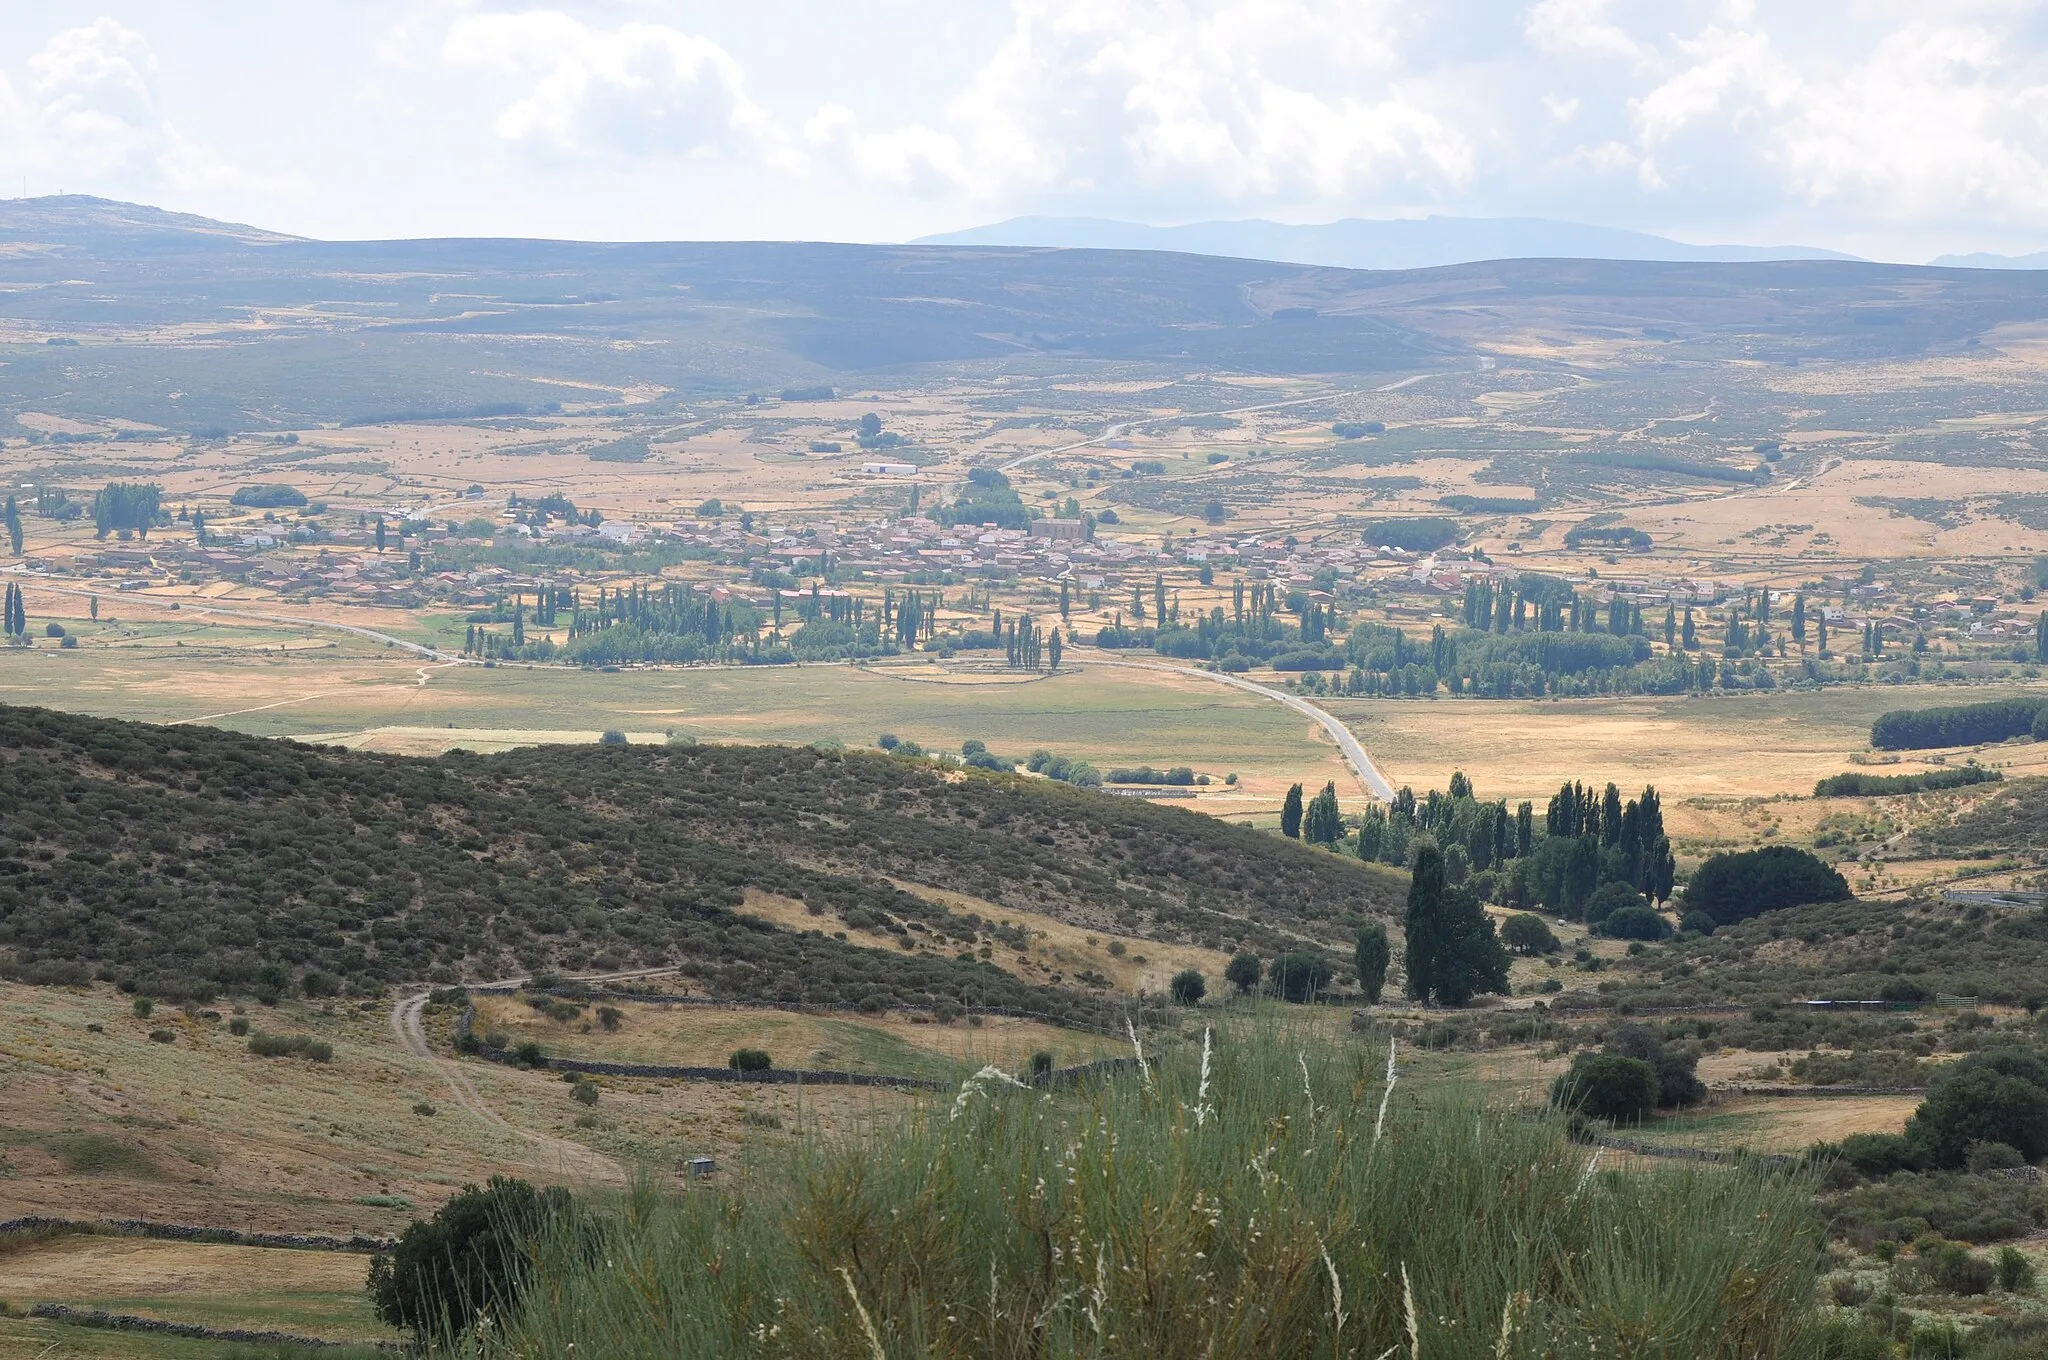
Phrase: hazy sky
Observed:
(1898, 130)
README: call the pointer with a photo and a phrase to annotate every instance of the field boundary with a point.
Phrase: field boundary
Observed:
(190, 1232)
(571, 992)
(130, 1322)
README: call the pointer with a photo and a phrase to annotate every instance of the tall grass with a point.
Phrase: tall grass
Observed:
(1239, 1204)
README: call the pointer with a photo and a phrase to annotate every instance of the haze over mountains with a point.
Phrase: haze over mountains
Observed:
(1363, 243)
(113, 311)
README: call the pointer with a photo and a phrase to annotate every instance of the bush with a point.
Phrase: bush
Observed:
(1634, 923)
(239, 1026)
(1905, 1206)
(612, 737)
(1697, 923)
(1299, 975)
(143, 1008)
(2015, 1271)
(1041, 1064)
(1735, 886)
(609, 1018)
(1878, 1155)
(749, 1060)
(528, 1054)
(584, 1093)
(1188, 986)
(473, 1256)
(1527, 935)
(1959, 1271)
(1609, 898)
(162, 1036)
(1607, 1086)
(1243, 970)
(291, 1046)
(1999, 1096)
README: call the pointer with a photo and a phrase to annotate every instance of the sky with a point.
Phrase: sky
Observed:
(1894, 130)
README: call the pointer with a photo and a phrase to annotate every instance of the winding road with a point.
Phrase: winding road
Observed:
(572, 1157)
(1367, 773)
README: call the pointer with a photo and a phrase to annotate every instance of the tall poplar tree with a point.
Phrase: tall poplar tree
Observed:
(1290, 814)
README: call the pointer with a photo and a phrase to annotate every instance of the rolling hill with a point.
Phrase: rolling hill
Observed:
(116, 311)
(188, 862)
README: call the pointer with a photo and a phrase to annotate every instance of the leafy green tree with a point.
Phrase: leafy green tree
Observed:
(1243, 971)
(473, 1257)
(1323, 824)
(1998, 1096)
(1300, 974)
(1527, 935)
(1424, 922)
(1370, 955)
(1471, 960)
(1607, 1086)
(1734, 886)
(1188, 986)
(1290, 813)
(1634, 923)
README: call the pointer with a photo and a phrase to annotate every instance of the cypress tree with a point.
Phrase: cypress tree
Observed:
(1290, 814)
(14, 533)
(1470, 958)
(1323, 824)
(1525, 830)
(1423, 924)
(1370, 956)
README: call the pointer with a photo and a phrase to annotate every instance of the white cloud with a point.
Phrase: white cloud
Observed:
(634, 91)
(86, 109)
(1227, 102)
(1580, 28)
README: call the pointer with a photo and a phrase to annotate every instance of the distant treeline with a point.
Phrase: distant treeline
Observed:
(1612, 535)
(1412, 535)
(1490, 505)
(1917, 729)
(481, 411)
(1871, 785)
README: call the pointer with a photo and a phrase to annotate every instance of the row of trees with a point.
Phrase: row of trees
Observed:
(14, 623)
(126, 507)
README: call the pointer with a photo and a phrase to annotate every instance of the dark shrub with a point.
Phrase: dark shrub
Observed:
(1527, 935)
(612, 737)
(1607, 1086)
(749, 1060)
(1878, 1155)
(470, 1258)
(291, 1046)
(1733, 887)
(1243, 970)
(1634, 923)
(1959, 1271)
(1698, 922)
(528, 1054)
(1041, 1064)
(1998, 1096)
(1299, 975)
(1609, 898)
(1188, 986)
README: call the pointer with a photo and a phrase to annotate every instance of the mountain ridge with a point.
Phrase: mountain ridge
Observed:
(1369, 243)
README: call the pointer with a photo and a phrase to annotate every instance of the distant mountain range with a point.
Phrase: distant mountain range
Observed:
(1363, 243)
(1984, 260)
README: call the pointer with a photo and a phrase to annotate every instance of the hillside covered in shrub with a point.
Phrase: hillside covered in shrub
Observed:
(191, 861)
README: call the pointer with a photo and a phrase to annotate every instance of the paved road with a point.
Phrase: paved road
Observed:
(574, 1157)
(1355, 755)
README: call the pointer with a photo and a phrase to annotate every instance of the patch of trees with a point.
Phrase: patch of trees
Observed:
(1607, 536)
(988, 498)
(268, 496)
(1490, 505)
(816, 392)
(126, 507)
(1422, 534)
(1180, 776)
(1874, 785)
(1734, 886)
(1986, 1110)
(1595, 844)
(1911, 729)
(1357, 429)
